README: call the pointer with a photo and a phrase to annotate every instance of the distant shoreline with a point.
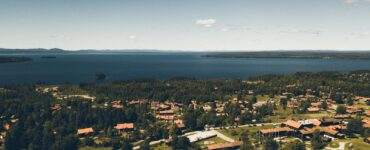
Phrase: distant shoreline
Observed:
(294, 54)
(7, 59)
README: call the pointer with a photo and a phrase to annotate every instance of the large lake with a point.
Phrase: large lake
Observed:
(76, 68)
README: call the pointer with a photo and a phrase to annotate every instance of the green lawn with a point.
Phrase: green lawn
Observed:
(262, 98)
(236, 132)
(214, 140)
(161, 146)
(357, 144)
(333, 144)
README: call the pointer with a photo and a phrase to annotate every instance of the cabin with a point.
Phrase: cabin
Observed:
(317, 104)
(166, 117)
(342, 116)
(179, 123)
(329, 121)
(313, 109)
(6, 126)
(353, 110)
(124, 127)
(292, 124)
(276, 132)
(366, 123)
(166, 112)
(334, 130)
(117, 104)
(368, 113)
(55, 107)
(85, 131)
(367, 140)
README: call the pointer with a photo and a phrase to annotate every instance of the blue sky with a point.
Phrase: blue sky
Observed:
(186, 24)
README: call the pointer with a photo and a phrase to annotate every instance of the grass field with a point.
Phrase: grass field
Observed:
(161, 146)
(215, 140)
(236, 132)
(357, 144)
(95, 148)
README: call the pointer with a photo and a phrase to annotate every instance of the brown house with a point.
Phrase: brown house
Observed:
(85, 131)
(292, 124)
(274, 132)
(124, 126)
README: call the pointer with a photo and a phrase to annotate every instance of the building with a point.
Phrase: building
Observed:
(201, 135)
(313, 109)
(292, 124)
(85, 131)
(124, 126)
(276, 132)
(179, 123)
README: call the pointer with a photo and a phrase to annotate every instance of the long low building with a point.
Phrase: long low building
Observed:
(276, 131)
(201, 135)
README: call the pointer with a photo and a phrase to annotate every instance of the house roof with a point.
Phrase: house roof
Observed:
(6, 126)
(315, 122)
(275, 130)
(308, 130)
(317, 104)
(293, 124)
(122, 126)
(85, 131)
(313, 109)
(166, 117)
(329, 130)
(179, 123)
(224, 145)
(366, 122)
(342, 116)
(166, 112)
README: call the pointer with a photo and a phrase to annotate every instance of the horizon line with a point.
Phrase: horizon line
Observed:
(188, 50)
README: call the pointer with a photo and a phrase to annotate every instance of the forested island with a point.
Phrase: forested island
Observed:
(12, 59)
(308, 54)
(295, 111)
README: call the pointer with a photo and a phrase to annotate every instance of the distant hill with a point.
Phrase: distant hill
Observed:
(309, 54)
(33, 50)
(57, 50)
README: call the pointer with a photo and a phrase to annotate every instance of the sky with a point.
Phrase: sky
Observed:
(197, 25)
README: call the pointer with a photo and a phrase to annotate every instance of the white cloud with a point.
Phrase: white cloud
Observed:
(132, 37)
(354, 2)
(312, 32)
(350, 1)
(206, 22)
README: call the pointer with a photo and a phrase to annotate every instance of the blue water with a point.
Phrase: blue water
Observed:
(76, 68)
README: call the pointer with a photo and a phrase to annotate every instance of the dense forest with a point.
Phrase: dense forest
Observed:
(186, 89)
(36, 126)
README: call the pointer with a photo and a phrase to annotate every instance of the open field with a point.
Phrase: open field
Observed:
(235, 133)
(95, 148)
(161, 146)
(204, 143)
